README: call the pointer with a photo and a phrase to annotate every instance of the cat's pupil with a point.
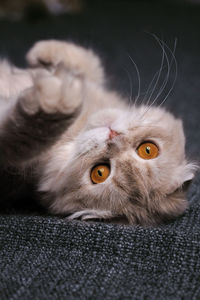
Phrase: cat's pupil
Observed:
(99, 172)
(148, 149)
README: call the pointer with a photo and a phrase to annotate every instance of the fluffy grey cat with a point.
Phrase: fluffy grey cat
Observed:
(87, 151)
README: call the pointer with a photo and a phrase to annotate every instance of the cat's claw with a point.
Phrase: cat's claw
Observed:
(80, 61)
(42, 53)
(60, 92)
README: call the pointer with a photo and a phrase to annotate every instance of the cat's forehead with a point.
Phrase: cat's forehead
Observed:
(149, 121)
(152, 116)
(133, 127)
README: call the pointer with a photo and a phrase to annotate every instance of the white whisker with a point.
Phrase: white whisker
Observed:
(131, 87)
(163, 44)
(169, 65)
(176, 72)
(158, 77)
(139, 80)
(168, 72)
(149, 87)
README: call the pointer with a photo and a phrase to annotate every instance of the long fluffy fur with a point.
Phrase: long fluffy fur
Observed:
(61, 119)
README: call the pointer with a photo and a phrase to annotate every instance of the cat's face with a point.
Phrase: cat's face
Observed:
(143, 159)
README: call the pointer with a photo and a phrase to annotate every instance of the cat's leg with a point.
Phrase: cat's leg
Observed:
(40, 115)
(80, 61)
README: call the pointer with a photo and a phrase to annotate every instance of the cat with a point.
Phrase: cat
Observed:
(87, 152)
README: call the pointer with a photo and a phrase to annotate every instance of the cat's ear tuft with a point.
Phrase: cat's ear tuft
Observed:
(183, 176)
(189, 172)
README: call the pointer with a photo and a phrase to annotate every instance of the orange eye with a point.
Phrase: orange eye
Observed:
(148, 150)
(100, 173)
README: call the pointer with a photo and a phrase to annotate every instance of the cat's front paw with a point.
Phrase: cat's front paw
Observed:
(91, 214)
(78, 60)
(44, 53)
(60, 92)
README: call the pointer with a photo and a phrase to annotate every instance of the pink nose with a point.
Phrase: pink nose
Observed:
(113, 134)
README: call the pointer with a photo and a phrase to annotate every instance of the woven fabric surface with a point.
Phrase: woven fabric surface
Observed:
(46, 257)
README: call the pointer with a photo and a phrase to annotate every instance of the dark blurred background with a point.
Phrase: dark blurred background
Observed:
(45, 257)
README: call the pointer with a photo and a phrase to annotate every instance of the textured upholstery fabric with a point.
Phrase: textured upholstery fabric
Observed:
(45, 257)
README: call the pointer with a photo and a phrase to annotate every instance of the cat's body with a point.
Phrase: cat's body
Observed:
(57, 125)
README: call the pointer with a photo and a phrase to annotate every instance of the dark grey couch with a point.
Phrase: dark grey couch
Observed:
(45, 257)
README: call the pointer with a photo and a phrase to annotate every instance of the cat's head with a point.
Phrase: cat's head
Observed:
(130, 163)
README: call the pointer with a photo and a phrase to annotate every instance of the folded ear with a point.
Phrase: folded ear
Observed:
(189, 172)
(176, 202)
(172, 203)
(182, 177)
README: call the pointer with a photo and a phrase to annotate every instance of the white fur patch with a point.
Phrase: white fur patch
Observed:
(91, 139)
(56, 166)
(89, 214)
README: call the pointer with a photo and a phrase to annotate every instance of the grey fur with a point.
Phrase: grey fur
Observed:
(60, 126)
